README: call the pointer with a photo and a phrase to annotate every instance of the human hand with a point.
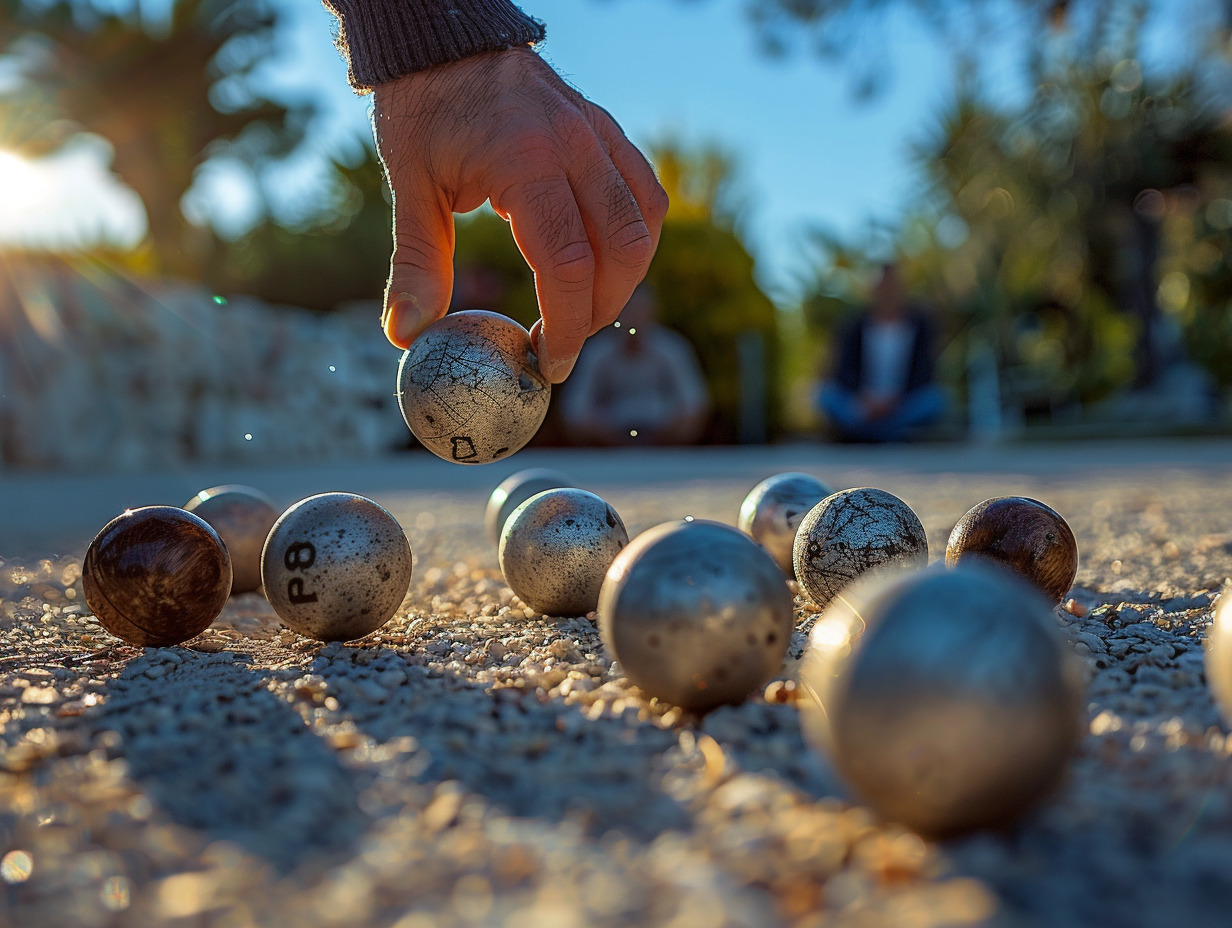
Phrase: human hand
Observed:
(584, 205)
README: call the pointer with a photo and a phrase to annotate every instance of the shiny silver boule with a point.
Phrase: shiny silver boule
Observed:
(556, 548)
(336, 566)
(697, 613)
(513, 491)
(772, 511)
(851, 533)
(947, 699)
(1219, 655)
(470, 388)
(243, 518)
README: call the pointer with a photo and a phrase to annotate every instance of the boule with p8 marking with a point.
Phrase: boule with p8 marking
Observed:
(470, 388)
(1023, 534)
(556, 548)
(336, 566)
(851, 533)
(513, 491)
(243, 517)
(156, 576)
(772, 511)
(946, 698)
(697, 613)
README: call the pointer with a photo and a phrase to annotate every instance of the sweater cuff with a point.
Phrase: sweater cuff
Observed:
(387, 39)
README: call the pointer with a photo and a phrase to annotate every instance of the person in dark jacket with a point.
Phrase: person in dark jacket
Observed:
(882, 385)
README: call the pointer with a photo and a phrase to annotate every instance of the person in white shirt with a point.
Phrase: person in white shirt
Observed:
(638, 382)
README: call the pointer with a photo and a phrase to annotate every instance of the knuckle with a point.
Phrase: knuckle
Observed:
(632, 244)
(657, 202)
(573, 264)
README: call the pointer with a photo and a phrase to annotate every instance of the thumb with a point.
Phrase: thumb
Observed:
(421, 270)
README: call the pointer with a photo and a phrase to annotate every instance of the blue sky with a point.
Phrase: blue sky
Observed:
(809, 153)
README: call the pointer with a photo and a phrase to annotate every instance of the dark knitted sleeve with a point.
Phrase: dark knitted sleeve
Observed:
(385, 39)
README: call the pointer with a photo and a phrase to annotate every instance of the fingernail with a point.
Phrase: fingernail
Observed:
(556, 370)
(404, 319)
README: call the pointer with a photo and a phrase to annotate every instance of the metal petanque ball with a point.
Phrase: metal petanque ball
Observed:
(772, 511)
(470, 387)
(513, 491)
(851, 533)
(946, 698)
(556, 548)
(1022, 534)
(1219, 655)
(156, 576)
(336, 566)
(243, 518)
(697, 613)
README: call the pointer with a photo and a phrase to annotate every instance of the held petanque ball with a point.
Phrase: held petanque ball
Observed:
(470, 387)
(336, 566)
(851, 533)
(1022, 534)
(243, 518)
(697, 613)
(772, 511)
(947, 699)
(513, 491)
(156, 576)
(556, 548)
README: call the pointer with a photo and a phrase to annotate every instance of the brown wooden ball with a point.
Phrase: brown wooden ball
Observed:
(1022, 534)
(156, 576)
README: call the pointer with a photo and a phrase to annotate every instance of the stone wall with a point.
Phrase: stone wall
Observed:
(101, 371)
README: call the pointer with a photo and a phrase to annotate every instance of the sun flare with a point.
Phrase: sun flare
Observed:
(22, 184)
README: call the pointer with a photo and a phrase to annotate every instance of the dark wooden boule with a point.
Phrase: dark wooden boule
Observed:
(156, 576)
(1022, 534)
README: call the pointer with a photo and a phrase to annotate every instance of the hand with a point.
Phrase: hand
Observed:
(584, 204)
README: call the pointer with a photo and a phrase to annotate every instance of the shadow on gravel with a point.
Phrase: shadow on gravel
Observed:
(529, 758)
(217, 752)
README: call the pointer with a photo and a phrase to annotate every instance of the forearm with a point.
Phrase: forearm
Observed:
(386, 39)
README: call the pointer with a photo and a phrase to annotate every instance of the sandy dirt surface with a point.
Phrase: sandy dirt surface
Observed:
(473, 763)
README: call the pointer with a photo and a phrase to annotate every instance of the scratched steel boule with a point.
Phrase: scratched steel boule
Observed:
(772, 511)
(851, 533)
(1020, 533)
(513, 491)
(156, 576)
(947, 699)
(696, 613)
(556, 548)
(470, 387)
(336, 566)
(243, 517)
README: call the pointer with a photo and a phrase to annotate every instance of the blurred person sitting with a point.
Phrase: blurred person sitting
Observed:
(882, 385)
(638, 382)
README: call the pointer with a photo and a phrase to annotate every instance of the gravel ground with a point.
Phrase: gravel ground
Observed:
(473, 763)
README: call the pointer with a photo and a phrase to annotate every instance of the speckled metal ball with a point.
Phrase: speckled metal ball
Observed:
(947, 699)
(470, 387)
(513, 491)
(336, 566)
(772, 511)
(851, 533)
(1219, 655)
(156, 576)
(1022, 534)
(243, 518)
(556, 548)
(697, 613)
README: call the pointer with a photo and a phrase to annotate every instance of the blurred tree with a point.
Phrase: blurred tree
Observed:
(167, 96)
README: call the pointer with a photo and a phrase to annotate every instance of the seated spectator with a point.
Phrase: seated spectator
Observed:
(637, 382)
(882, 382)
